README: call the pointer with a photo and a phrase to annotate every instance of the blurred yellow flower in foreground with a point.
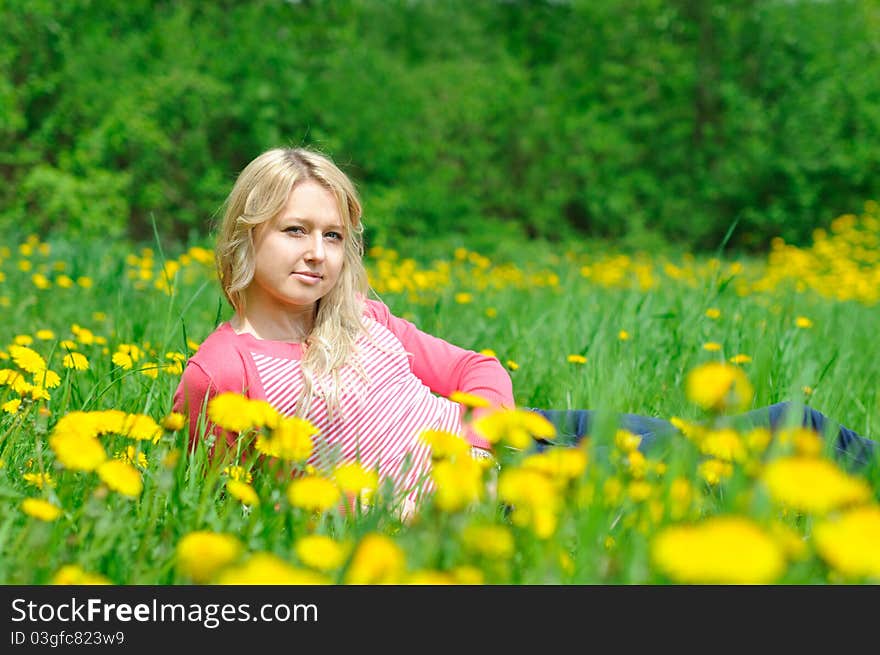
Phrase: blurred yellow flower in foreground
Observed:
(231, 411)
(269, 569)
(492, 541)
(320, 552)
(313, 493)
(74, 574)
(459, 483)
(78, 452)
(813, 485)
(514, 426)
(849, 542)
(291, 439)
(40, 509)
(243, 492)
(720, 550)
(121, 477)
(377, 560)
(444, 445)
(201, 554)
(719, 387)
(468, 399)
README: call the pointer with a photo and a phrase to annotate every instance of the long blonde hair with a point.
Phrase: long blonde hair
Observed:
(259, 194)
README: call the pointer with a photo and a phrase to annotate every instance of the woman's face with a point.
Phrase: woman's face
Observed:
(299, 253)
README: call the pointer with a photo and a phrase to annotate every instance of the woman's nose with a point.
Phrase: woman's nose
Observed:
(316, 248)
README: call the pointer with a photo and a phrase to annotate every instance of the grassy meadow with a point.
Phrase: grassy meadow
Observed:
(97, 485)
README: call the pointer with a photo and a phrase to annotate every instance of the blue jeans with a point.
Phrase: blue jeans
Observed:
(574, 424)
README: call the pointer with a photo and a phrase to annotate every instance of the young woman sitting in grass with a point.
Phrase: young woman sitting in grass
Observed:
(306, 338)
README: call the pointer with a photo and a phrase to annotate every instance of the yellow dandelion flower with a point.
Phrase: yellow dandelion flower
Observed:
(463, 298)
(488, 352)
(511, 365)
(320, 552)
(576, 359)
(48, 379)
(713, 313)
(78, 452)
(740, 359)
(758, 439)
(123, 360)
(11, 406)
(808, 390)
(74, 574)
(67, 345)
(201, 554)
(849, 542)
(681, 495)
(562, 464)
(268, 569)
(444, 444)
(45, 335)
(23, 340)
(491, 312)
(121, 477)
(714, 471)
(458, 483)
(150, 370)
(377, 560)
(804, 440)
(720, 550)
(724, 444)
(27, 359)
(84, 281)
(38, 480)
(75, 361)
(534, 499)
(64, 281)
(313, 493)
(712, 346)
(238, 473)
(291, 440)
(626, 441)
(719, 387)
(517, 427)
(242, 491)
(803, 322)
(623, 335)
(41, 509)
(133, 456)
(230, 411)
(468, 399)
(173, 422)
(353, 478)
(813, 485)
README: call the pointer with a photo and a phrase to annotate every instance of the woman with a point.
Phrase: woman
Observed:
(306, 339)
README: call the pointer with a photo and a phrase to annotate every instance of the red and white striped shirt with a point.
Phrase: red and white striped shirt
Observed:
(380, 418)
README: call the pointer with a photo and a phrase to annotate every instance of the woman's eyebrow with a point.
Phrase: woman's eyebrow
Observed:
(303, 219)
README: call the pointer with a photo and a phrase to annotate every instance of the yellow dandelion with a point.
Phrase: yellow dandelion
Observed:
(242, 491)
(48, 379)
(803, 322)
(712, 346)
(576, 359)
(41, 509)
(353, 478)
(38, 480)
(444, 444)
(720, 550)
(121, 477)
(488, 352)
(516, 427)
(291, 439)
(719, 387)
(27, 359)
(45, 335)
(713, 313)
(269, 569)
(230, 411)
(463, 298)
(813, 485)
(562, 464)
(377, 560)
(740, 359)
(458, 483)
(201, 554)
(11, 406)
(623, 335)
(320, 552)
(74, 574)
(84, 281)
(75, 361)
(849, 542)
(173, 422)
(77, 452)
(123, 360)
(724, 444)
(468, 399)
(313, 493)
(626, 441)
(714, 471)
(511, 365)
(23, 340)
(238, 473)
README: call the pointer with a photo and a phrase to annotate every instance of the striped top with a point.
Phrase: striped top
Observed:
(380, 416)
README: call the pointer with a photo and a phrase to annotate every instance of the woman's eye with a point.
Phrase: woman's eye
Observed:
(294, 229)
(336, 236)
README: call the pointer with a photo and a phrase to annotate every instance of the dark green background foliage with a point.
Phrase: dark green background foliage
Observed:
(607, 118)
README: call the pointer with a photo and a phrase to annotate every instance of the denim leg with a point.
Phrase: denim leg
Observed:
(572, 425)
(848, 444)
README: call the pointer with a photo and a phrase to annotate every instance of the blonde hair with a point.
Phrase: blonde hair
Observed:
(259, 194)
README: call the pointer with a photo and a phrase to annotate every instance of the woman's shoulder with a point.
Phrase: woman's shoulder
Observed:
(376, 310)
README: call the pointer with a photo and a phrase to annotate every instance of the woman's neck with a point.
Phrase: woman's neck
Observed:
(291, 325)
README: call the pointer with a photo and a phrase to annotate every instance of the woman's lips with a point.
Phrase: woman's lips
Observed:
(307, 278)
